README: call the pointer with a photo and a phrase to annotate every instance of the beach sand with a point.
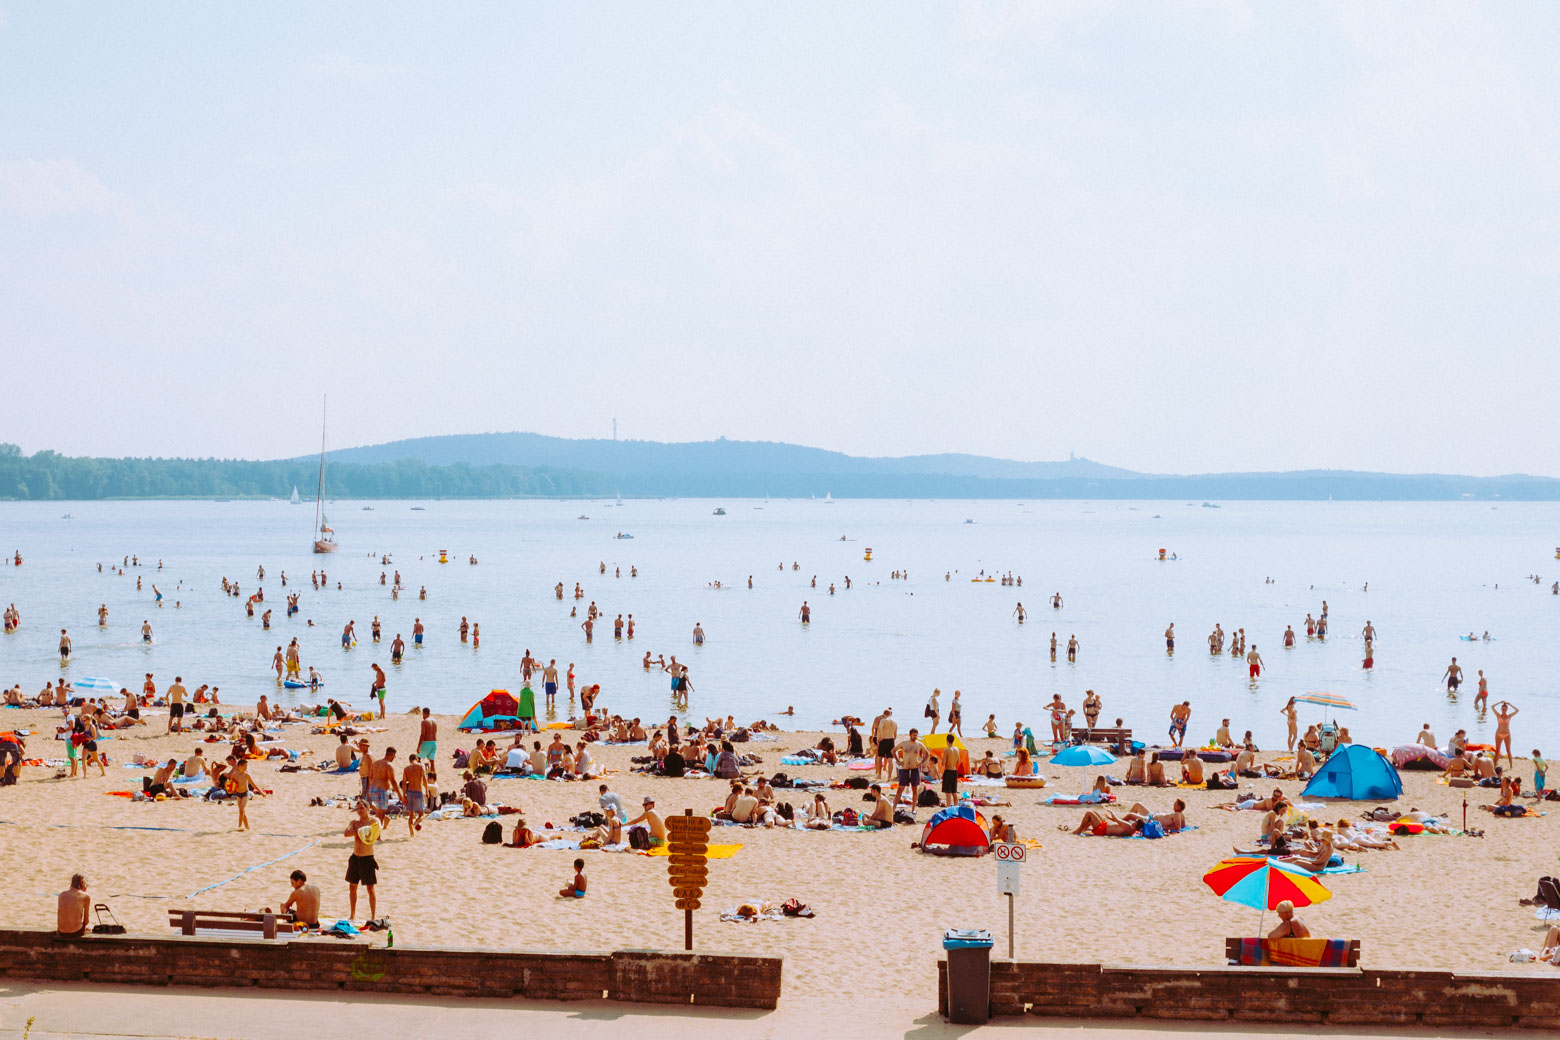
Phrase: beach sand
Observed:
(1442, 902)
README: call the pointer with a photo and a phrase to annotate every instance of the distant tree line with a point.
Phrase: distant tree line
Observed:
(48, 475)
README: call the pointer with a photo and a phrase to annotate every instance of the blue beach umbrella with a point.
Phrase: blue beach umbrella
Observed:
(1083, 755)
(95, 685)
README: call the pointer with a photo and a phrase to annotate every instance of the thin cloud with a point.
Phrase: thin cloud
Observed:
(343, 67)
(41, 188)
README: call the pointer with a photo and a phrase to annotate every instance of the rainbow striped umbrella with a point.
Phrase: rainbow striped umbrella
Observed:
(1258, 881)
(1328, 700)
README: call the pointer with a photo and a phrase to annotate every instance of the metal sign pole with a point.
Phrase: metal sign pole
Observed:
(688, 914)
(1011, 957)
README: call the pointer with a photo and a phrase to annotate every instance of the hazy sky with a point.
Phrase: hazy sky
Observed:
(1178, 238)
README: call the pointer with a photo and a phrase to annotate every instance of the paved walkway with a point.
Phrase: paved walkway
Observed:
(86, 1012)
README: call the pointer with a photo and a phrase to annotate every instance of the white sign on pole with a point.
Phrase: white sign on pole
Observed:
(1009, 857)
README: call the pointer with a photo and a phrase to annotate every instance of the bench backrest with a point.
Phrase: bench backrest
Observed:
(189, 922)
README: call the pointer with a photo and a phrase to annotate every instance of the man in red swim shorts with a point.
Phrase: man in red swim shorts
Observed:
(1254, 660)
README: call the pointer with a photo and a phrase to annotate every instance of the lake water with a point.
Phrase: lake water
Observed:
(1435, 571)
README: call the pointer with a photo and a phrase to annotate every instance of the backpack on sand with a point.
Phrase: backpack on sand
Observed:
(493, 833)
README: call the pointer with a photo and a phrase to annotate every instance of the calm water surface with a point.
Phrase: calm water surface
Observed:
(1435, 571)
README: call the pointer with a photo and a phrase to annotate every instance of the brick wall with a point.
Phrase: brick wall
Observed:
(647, 976)
(1350, 996)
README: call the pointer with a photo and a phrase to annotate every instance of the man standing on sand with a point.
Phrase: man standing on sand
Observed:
(362, 868)
(885, 732)
(381, 781)
(1180, 715)
(1170, 639)
(909, 756)
(1254, 662)
(414, 793)
(1453, 676)
(74, 908)
(176, 705)
(428, 742)
(377, 687)
(550, 680)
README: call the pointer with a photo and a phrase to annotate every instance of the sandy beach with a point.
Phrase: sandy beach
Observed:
(1084, 898)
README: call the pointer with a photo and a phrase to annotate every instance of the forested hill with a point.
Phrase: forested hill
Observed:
(47, 475)
(529, 465)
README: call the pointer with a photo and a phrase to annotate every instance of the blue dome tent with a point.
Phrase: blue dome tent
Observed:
(1357, 773)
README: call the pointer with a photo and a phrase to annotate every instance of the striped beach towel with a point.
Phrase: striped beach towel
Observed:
(1295, 953)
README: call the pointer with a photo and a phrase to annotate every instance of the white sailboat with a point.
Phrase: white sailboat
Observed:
(828, 499)
(620, 498)
(295, 498)
(325, 542)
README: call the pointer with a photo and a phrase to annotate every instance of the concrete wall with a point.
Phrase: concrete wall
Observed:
(646, 976)
(1332, 995)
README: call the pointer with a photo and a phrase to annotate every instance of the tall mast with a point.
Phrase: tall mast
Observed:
(319, 493)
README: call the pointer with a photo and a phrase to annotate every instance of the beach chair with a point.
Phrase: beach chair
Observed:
(1328, 734)
(1293, 953)
(240, 924)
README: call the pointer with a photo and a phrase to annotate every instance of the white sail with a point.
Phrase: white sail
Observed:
(325, 540)
(295, 498)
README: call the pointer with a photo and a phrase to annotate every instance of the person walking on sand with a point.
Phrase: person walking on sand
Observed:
(239, 786)
(428, 741)
(376, 688)
(1505, 711)
(176, 694)
(956, 716)
(885, 733)
(414, 794)
(362, 868)
(1254, 662)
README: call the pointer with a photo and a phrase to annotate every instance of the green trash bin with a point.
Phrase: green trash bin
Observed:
(969, 975)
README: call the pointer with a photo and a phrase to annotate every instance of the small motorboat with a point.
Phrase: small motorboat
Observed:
(719, 511)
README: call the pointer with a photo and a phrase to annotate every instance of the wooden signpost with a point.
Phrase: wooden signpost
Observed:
(687, 846)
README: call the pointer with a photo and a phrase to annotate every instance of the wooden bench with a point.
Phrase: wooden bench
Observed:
(1234, 954)
(193, 922)
(1112, 737)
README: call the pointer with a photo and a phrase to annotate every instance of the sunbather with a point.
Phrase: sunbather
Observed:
(1107, 824)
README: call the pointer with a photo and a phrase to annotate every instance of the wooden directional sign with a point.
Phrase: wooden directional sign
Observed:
(687, 866)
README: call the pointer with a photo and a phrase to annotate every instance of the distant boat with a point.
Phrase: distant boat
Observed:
(326, 540)
(67, 516)
(368, 509)
(719, 511)
(968, 521)
(828, 499)
(1210, 505)
(418, 509)
(622, 535)
(620, 498)
(295, 499)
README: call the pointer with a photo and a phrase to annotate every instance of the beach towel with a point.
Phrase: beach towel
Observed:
(1295, 953)
(1345, 868)
(1091, 798)
(714, 852)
